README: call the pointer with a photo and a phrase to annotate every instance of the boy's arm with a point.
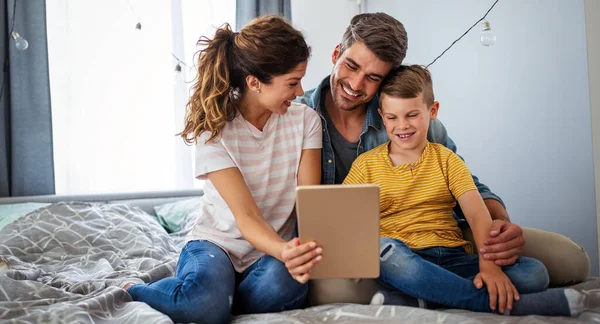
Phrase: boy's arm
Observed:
(506, 239)
(502, 291)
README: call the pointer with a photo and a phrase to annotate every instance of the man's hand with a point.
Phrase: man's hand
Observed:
(505, 243)
(300, 258)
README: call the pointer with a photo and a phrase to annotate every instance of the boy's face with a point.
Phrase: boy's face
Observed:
(407, 121)
(356, 76)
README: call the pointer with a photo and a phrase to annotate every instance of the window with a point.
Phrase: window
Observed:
(117, 101)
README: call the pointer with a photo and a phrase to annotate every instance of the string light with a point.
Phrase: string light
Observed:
(6, 60)
(488, 38)
(475, 24)
(179, 63)
(20, 42)
(138, 26)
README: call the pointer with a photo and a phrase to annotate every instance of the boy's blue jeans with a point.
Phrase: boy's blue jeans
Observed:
(206, 288)
(445, 275)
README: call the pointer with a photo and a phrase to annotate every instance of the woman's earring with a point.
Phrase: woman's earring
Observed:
(257, 91)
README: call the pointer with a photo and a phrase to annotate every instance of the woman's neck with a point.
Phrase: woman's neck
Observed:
(251, 112)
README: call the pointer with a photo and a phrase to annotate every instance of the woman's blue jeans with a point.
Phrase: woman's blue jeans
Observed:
(206, 288)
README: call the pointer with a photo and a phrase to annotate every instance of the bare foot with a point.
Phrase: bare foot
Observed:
(126, 287)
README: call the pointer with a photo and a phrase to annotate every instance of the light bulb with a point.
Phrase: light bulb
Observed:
(138, 26)
(488, 38)
(20, 42)
(177, 68)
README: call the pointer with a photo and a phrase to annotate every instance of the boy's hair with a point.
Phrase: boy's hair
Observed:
(409, 81)
(383, 34)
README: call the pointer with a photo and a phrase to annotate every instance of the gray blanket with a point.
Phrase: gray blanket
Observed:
(63, 263)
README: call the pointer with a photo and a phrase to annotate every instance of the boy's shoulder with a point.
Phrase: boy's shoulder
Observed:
(442, 153)
(373, 154)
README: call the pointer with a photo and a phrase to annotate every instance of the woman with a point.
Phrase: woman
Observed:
(254, 146)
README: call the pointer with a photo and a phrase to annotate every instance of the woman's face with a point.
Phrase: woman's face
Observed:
(283, 89)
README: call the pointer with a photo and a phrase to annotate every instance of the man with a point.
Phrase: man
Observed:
(347, 102)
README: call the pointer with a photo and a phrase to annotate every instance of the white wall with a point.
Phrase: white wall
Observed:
(519, 111)
(592, 19)
(323, 24)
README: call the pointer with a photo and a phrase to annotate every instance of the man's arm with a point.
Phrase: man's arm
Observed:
(438, 134)
(496, 209)
(506, 239)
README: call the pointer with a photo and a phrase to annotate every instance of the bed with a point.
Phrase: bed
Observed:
(62, 257)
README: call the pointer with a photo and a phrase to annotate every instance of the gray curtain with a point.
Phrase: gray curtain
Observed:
(250, 9)
(26, 154)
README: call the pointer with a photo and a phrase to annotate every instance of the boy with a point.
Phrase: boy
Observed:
(423, 252)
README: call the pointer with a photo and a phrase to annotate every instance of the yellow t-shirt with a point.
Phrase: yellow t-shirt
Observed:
(416, 200)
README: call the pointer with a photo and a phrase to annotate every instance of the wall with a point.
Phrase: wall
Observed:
(519, 111)
(592, 19)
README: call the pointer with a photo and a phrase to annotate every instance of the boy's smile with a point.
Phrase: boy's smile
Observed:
(406, 122)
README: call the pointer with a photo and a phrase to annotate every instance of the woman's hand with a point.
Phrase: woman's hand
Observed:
(300, 258)
(502, 291)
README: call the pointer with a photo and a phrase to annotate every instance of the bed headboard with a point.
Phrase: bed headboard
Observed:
(144, 200)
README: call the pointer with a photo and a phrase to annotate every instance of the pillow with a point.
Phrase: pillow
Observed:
(11, 212)
(172, 215)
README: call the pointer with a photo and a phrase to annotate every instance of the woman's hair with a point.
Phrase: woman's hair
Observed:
(267, 47)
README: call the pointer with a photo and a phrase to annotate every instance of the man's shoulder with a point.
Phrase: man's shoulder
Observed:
(437, 132)
(312, 97)
(306, 99)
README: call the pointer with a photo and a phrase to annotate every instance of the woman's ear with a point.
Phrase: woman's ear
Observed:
(253, 83)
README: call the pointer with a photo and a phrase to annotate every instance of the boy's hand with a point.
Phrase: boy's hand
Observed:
(300, 258)
(502, 291)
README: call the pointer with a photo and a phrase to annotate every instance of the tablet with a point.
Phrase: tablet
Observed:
(344, 220)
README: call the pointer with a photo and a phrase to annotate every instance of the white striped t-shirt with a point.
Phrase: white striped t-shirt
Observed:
(269, 162)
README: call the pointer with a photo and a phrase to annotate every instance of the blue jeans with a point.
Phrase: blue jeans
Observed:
(445, 275)
(206, 288)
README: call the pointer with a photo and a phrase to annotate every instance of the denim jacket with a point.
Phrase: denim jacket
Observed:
(373, 134)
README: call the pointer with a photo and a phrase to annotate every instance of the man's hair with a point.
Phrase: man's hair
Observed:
(383, 34)
(409, 81)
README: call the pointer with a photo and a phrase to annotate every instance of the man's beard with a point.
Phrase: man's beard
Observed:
(340, 102)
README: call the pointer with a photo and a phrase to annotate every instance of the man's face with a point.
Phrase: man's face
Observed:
(356, 76)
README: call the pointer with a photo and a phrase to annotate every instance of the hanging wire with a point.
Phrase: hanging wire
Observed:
(179, 61)
(138, 26)
(135, 14)
(475, 24)
(6, 63)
